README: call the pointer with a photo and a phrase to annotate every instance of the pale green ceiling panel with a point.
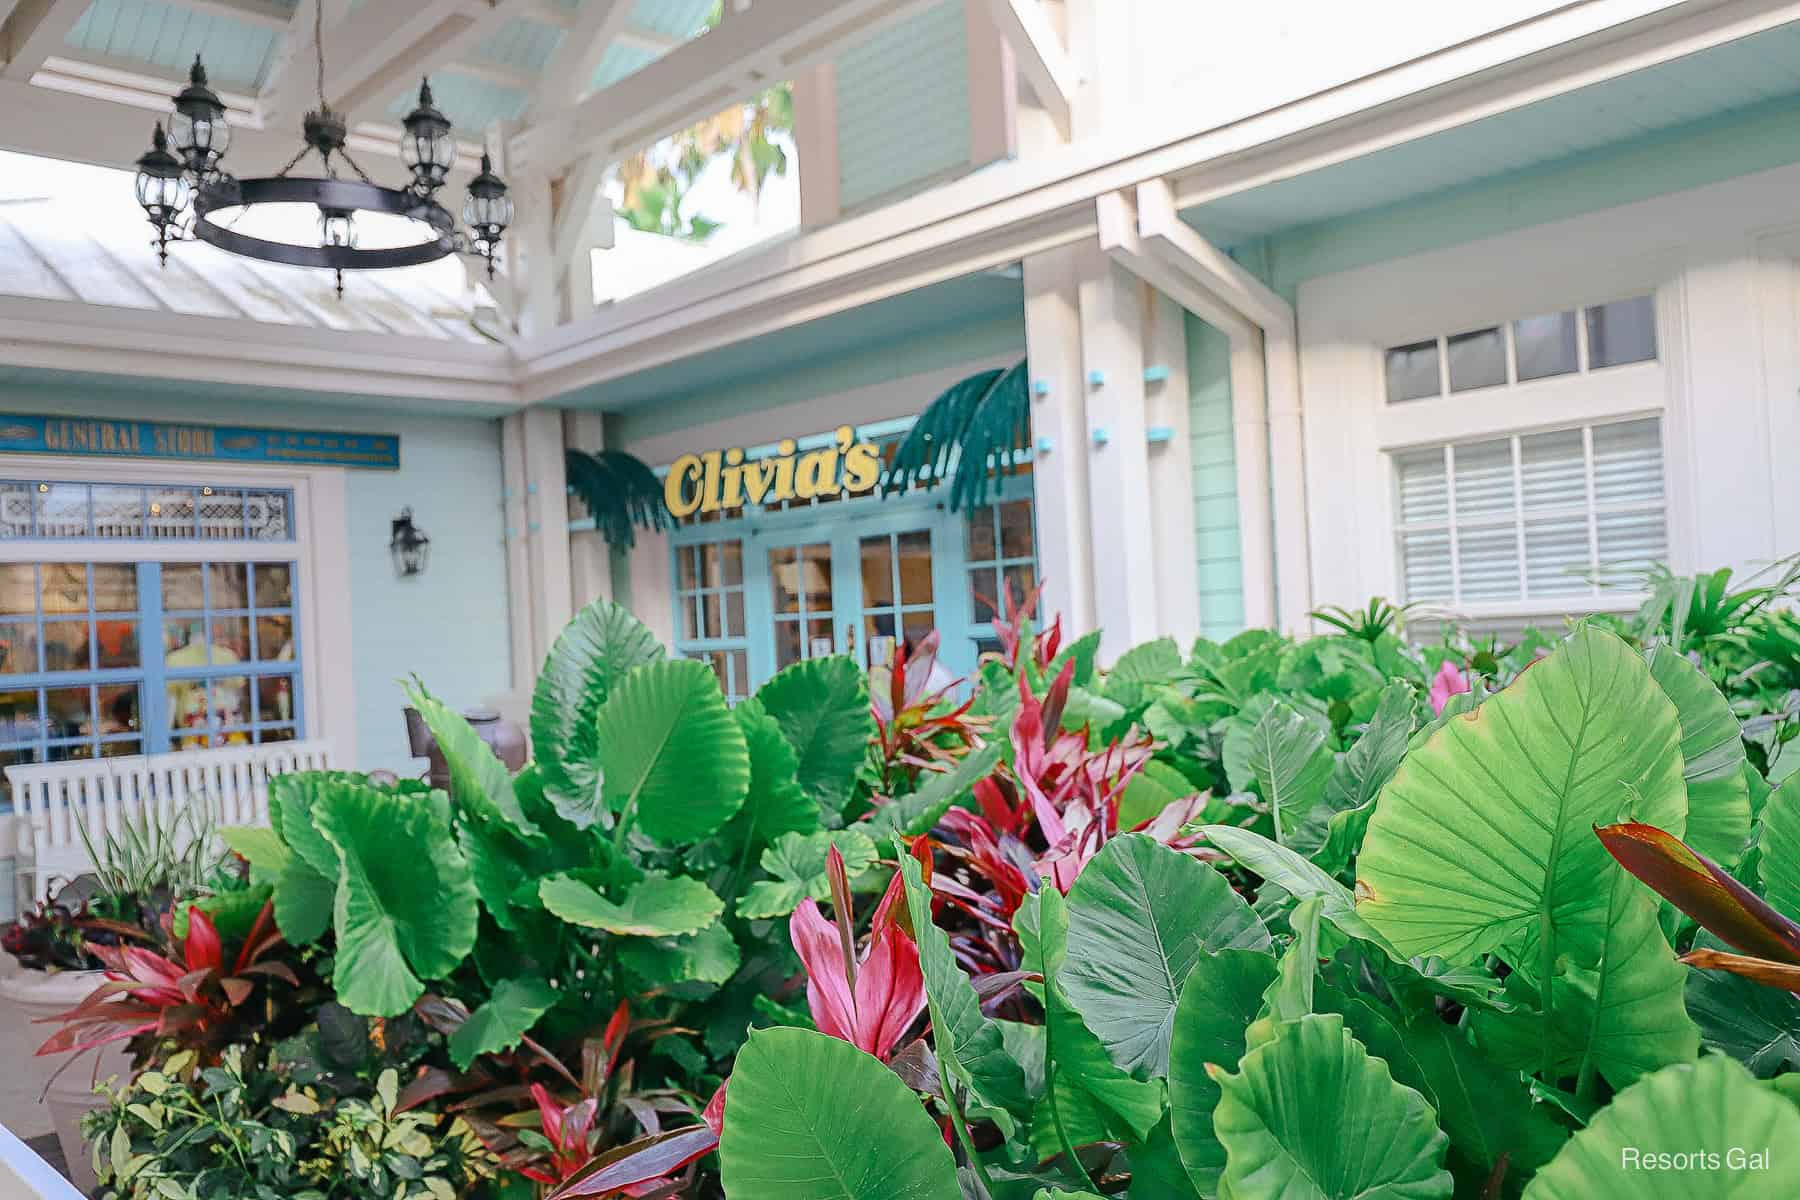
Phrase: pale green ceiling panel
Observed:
(672, 18)
(520, 43)
(470, 103)
(903, 105)
(620, 61)
(167, 36)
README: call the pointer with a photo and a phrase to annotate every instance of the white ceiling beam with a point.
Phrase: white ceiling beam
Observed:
(1117, 218)
(1043, 59)
(584, 219)
(36, 30)
(766, 44)
(6, 9)
(545, 13)
(584, 43)
(287, 81)
(1178, 246)
(639, 38)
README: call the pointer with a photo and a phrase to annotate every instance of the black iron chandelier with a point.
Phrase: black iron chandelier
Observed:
(183, 165)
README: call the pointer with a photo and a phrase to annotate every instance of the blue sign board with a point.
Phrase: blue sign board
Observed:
(194, 443)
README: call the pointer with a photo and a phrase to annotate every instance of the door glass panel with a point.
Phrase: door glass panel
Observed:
(65, 587)
(898, 595)
(18, 588)
(800, 580)
(914, 553)
(877, 571)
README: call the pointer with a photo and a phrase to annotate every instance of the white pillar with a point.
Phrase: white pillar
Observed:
(1059, 437)
(1250, 443)
(1171, 471)
(546, 528)
(590, 558)
(518, 564)
(816, 144)
(1112, 330)
(1287, 455)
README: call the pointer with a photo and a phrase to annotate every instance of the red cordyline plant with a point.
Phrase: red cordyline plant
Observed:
(193, 995)
(916, 728)
(869, 1000)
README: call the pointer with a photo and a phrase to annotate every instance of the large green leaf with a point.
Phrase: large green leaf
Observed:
(1298, 877)
(589, 658)
(968, 1044)
(1779, 861)
(292, 799)
(1484, 836)
(1755, 1024)
(479, 781)
(822, 705)
(710, 956)
(671, 751)
(303, 902)
(774, 803)
(406, 908)
(797, 861)
(1311, 1114)
(814, 1118)
(1624, 1016)
(1222, 996)
(1487, 1110)
(505, 1017)
(1679, 1132)
(1140, 916)
(916, 812)
(656, 905)
(1712, 753)
(1140, 667)
(1333, 831)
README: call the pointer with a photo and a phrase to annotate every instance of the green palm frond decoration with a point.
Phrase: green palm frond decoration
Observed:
(986, 417)
(620, 491)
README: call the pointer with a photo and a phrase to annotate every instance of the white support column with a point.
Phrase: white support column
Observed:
(1059, 436)
(528, 255)
(1171, 470)
(1112, 348)
(518, 557)
(1287, 461)
(547, 527)
(816, 144)
(993, 88)
(1250, 442)
(590, 558)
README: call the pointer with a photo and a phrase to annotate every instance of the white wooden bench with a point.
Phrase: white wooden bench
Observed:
(53, 801)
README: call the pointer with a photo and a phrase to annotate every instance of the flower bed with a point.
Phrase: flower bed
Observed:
(1332, 917)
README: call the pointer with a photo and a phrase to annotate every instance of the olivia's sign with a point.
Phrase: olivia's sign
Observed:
(724, 479)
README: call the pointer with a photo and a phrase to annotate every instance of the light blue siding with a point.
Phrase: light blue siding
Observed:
(903, 106)
(237, 53)
(1218, 552)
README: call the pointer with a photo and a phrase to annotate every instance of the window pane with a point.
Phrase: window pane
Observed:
(182, 588)
(740, 673)
(784, 578)
(877, 571)
(184, 642)
(709, 565)
(230, 586)
(1628, 463)
(734, 614)
(15, 510)
(709, 616)
(690, 624)
(1015, 529)
(1489, 562)
(1553, 470)
(1545, 346)
(915, 566)
(222, 514)
(118, 512)
(981, 534)
(1425, 565)
(70, 712)
(172, 512)
(118, 644)
(731, 563)
(815, 576)
(19, 717)
(18, 649)
(984, 594)
(274, 585)
(1477, 359)
(917, 626)
(1622, 332)
(274, 698)
(18, 588)
(818, 639)
(1556, 557)
(230, 639)
(62, 510)
(266, 513)
(1021, 579)
(787, 643)
(274, 639)
(69, 753)
(187, 704)
(1412, 372)
(1484, 479)
(687, 560)
(66, 646)
(1424, 487)
(285, 734)
(231, 700)
(120, 709)
(65, 587)
(115, 587)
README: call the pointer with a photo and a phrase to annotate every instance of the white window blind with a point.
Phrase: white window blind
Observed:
(1531, 516)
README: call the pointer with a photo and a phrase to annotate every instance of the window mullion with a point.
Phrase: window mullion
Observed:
(1593, 518)
(1450, 508)
(154, 704)
(1518, 471)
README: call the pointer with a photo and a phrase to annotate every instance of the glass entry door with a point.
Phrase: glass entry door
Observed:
(898, 600)
(803, 595)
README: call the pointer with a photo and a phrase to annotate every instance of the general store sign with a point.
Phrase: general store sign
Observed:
(196, 443)
(724, 479)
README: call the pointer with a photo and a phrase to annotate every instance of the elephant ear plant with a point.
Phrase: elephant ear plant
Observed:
(1462, 995)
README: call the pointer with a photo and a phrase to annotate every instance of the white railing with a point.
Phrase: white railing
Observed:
(53, 802)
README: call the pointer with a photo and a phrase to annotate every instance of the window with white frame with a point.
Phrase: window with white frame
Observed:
(1547, 482)
(709, 611)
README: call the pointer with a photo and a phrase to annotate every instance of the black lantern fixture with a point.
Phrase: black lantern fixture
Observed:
(184, 165)
(409, 546)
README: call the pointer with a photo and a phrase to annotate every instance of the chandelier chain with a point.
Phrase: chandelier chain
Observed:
(319, 46)
(344, 153)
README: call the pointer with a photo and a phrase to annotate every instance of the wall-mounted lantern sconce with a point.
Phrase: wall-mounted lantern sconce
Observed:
(409, 546)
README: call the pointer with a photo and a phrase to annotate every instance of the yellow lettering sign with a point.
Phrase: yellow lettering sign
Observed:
(719, 480)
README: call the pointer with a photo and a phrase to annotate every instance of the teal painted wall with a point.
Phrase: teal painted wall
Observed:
(862, 367)
(449, 626)
(1217, 546)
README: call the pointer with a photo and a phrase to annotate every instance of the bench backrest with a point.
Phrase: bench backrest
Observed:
(50, 799)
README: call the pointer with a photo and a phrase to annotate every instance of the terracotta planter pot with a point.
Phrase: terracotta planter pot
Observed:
(39, 994)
